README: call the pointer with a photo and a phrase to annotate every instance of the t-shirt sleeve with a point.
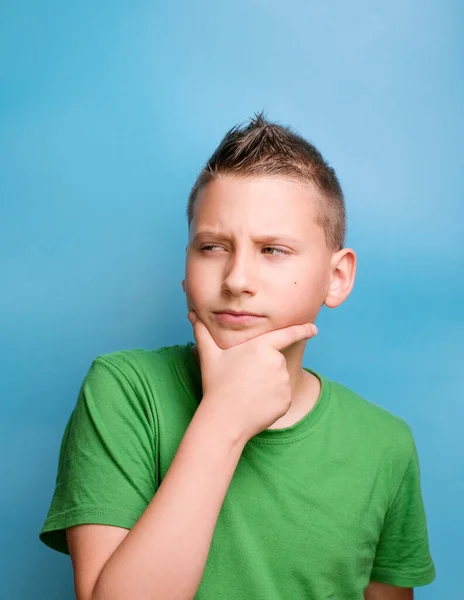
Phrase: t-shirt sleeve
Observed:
(107, 464)
(403, 556)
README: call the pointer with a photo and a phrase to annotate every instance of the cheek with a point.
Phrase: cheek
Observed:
(196, 293)
(299, 302)
(200, 279)
(190, 278)
(190, 291)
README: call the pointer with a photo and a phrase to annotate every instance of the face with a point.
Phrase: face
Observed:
(254, 247)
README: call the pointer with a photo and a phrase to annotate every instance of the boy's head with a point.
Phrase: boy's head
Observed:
(267, 228)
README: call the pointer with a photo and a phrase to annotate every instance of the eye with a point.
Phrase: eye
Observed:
(274, 249)
(209, 246)
(278, 250)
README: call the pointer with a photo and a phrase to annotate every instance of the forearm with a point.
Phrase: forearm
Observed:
(382, 591)
(164, 555)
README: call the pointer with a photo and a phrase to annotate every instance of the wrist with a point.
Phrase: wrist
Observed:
(211, 415)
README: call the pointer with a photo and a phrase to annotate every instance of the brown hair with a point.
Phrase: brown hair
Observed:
(265, 148)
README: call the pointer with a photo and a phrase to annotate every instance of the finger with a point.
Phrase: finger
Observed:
(207, 347)
(281, 338)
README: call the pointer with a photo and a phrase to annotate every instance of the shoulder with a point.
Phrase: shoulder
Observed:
(135, 372)
(133, 356)
(136, 362)
(371, 423)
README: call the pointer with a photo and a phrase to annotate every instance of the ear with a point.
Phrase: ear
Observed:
(343, 272)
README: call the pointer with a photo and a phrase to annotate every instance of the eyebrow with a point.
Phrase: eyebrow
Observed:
(259, 238)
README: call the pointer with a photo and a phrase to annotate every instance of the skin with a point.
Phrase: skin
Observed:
(236, 268)
(242, 271)
(381, 591)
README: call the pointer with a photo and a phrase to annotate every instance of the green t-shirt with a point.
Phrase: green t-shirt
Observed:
(314, 511)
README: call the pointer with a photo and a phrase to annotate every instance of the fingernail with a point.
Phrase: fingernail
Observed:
(191, 317)
(315, 329)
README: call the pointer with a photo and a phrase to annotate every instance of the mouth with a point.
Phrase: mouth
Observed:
(237, 318)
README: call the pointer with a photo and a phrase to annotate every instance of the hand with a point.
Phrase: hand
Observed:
(246, 388)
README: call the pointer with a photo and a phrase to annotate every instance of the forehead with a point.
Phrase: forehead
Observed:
(256, 204)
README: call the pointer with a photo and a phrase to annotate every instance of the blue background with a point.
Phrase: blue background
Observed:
(108, 110)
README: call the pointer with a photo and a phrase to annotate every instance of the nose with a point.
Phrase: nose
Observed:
(240, 276)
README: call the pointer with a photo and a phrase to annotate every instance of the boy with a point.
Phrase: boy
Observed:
(226, 470)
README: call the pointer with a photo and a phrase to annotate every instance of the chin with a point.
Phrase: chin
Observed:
(229, 339)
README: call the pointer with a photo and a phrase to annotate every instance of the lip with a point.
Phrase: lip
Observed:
(237, 313)
(238, 318)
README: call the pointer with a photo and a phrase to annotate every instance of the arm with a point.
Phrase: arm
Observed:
(163, 556)
(402, 558)
(381, 591)
(162, 553)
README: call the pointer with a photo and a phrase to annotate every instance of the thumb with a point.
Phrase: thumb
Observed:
(207, 347)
